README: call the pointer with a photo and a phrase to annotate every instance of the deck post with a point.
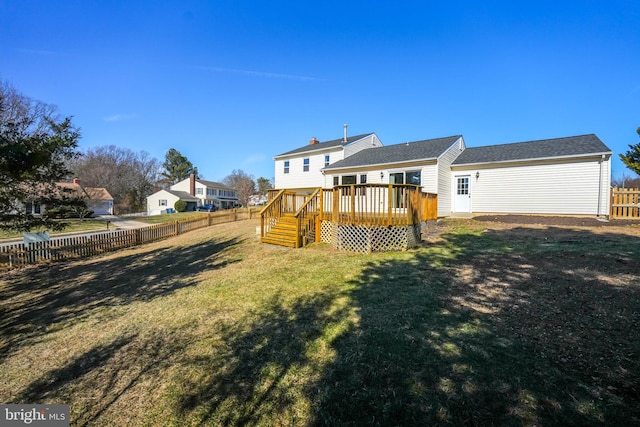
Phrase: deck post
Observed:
(353, 203)
(318, 220)
(389, 205)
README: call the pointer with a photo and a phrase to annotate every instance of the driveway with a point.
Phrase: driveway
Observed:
(122, 223)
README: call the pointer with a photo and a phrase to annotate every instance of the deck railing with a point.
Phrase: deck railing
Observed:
(378, 204)
(358, 204)
(306, 217)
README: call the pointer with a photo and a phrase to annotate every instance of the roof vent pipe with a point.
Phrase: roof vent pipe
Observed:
(345, 133)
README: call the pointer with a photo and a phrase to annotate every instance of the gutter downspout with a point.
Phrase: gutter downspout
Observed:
(600, 186)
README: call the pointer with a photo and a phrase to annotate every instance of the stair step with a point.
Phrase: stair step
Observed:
(283, 233)
(277, 241)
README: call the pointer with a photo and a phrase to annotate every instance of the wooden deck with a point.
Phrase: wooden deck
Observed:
(293, 219)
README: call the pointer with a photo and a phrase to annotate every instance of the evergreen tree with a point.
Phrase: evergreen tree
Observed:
(35, 150)
(632, 157)
(177, 167)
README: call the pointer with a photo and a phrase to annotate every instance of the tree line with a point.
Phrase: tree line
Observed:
(39, 149)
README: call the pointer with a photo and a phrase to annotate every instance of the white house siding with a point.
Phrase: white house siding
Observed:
(370, 141)
(563, 188)
(182, 185)
(153, 201)
(297, 178)
(443, 174)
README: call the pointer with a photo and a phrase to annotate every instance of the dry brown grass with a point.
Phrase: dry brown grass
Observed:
(488, 323)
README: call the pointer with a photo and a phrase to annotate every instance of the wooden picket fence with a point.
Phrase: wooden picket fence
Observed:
(65, 248)
(625, 203)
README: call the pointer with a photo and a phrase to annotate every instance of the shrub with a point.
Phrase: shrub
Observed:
(180, 206)
(59, 212)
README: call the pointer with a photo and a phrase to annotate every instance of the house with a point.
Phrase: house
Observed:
(195, 192)
(302, 168)
(560, 176)
(163, 201)
(425, 163)
(97, 199)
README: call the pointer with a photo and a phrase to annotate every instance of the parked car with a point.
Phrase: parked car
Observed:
(207, 208)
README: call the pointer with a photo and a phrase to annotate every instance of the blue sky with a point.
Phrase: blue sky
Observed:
(230, 84)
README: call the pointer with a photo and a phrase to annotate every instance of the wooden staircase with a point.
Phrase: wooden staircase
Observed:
(283, 233)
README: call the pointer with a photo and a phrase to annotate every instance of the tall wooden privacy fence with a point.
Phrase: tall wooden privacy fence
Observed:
(65, 248)
(625, 203)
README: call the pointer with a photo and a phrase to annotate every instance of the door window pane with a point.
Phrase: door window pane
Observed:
(463, 186)
(396, 178)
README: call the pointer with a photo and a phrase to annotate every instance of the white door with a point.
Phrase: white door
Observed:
(462, 194)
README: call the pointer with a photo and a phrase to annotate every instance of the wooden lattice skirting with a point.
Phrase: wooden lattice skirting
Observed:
(362, 239)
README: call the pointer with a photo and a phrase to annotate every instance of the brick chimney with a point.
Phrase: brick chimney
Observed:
(192, 184)
(76, 181)
(313, 141)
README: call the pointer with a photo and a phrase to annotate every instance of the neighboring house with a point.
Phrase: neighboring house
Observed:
(258, 200)
(563, 176)
(302, 168)
(98, 199)
(163, 200)
(195, 192)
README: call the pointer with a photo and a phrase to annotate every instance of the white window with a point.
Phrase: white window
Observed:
(326, 160)
(199, 190)
(286, 166)
(162, 202)
(305, 165)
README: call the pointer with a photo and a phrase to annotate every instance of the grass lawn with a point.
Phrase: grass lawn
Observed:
(486, 324)
(74, 224)
(158, 219)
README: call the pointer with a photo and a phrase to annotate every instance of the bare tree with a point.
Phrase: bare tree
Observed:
(128, 176)
(243, 183)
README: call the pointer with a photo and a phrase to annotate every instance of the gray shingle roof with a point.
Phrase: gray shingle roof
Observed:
(213, 184)
(326, 144)
(542, 149)
(420, 150)
(183, 195)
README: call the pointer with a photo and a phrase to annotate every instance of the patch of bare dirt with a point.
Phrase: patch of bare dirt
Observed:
(566, 221)
(569, 288)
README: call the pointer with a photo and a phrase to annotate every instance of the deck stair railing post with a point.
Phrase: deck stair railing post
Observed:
(271, 213)
(306, 217)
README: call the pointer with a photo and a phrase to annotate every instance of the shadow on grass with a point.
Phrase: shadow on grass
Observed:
(41, 300)
(268, 359)
(107, 372)
(500, 328)
(505, 327)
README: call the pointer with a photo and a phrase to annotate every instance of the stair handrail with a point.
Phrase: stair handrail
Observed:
(270, 211)
(305, 222)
